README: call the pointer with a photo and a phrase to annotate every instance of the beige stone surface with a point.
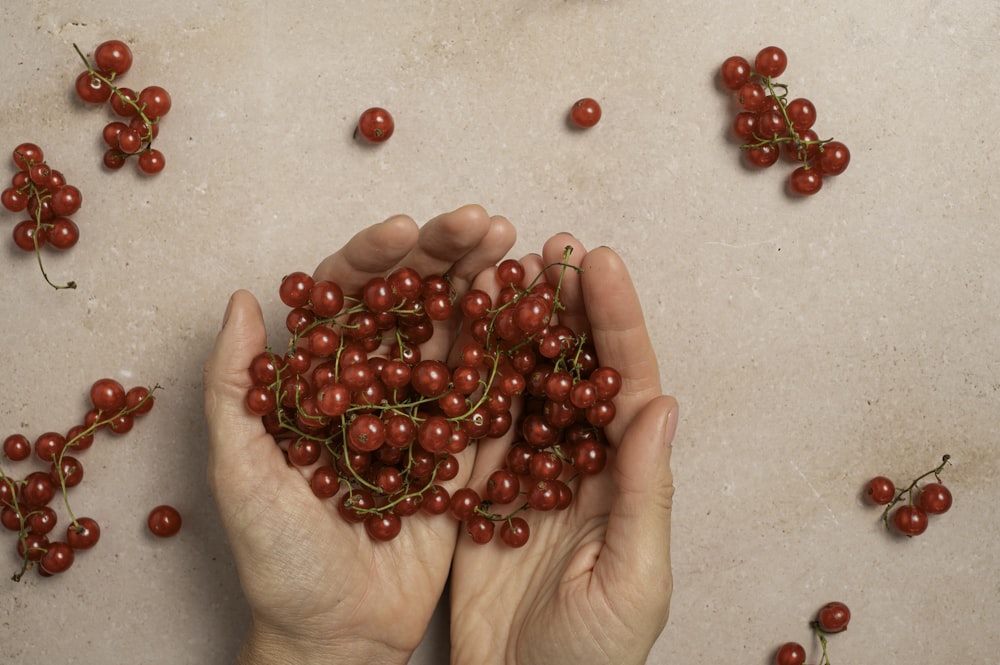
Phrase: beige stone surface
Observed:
(811, 343)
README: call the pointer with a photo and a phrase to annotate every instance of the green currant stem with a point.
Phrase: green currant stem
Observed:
(908, 490)
(39, 225)
(822, 642)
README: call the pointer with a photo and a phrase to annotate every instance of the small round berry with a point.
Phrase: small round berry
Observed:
(934, 499)
(805, 181)
(770, 61)
(113, 57)
(910, 520)
(92, 89)
(833, 158)
(376, 125)
(833, 617)
(164, 521)
(155, 102)
(735, 72)
(880, 490)
(585, 113)
(790, 653)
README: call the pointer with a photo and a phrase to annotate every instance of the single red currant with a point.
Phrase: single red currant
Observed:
(376, 125)
(585, 113)
(164, 521)
(910, 520)
(770, 61)
(833, 617)
(790, 653)
(880, 490)
(934, 499)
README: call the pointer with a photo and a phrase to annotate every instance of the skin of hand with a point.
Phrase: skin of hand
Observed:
(319, 589)
(593, 583)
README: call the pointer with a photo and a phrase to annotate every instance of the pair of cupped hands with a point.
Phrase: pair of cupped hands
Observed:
(593, 583)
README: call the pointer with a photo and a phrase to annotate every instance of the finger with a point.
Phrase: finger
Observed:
(238, 443)
(618, 330)
(447, 238)
(494, 245)
(371, 252)
(634, 564)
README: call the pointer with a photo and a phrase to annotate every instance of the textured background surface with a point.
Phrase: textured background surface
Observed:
(811, 343)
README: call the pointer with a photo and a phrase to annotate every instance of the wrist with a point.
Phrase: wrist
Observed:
(264, 646)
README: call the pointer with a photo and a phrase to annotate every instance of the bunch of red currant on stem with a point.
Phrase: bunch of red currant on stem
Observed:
(25, 503)
(378, 427)
(831, 618)
(770, 124)
(140, 112)
(43, 193)
(918, 500)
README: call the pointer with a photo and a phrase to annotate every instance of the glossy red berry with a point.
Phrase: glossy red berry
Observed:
(164, 521)
(376, 125)
(934, 499)
(880, 490)
(790, 653)
(585, 113)
(909, 520)
(833, 617)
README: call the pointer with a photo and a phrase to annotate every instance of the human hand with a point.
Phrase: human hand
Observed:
(593, 583)
(319, 589)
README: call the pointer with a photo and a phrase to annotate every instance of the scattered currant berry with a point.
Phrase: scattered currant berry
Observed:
(768, 123)
(144, 109)
(164, 521)
(585, 113)
(833, 617)
(907, 509)
(351, 387)
(28, 504)
(375, 125)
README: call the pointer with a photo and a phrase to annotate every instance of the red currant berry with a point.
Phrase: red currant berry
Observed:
(463, 503)
(57, 559)
(735, 72)
(92, 89)
(16, 447)
(155, 102)
(376, 125)
(833, 158)
(805, 180)
(151, 161)
(909, 520)
(585, 113)
(833, 617)
(325, 482)
(66, 200)
(790, 653)
(514, 532)
(27, 154)
(480, 528)
(113, 57)
(383, 526)
(880, 490)
(934, 499)
(125, 103)
(770, 61)
(164, 521)
(107, 395)
(63, 233)
(763, 156)
(84, 534)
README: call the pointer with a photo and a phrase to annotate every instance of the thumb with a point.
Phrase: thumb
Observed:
(237, 439)
(635, 561)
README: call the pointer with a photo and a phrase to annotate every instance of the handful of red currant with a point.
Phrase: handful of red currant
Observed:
(770, 124)
(142, 110)
(25, 503)
(911, 518)
(352, 400)
(831, 618)
(49, 201)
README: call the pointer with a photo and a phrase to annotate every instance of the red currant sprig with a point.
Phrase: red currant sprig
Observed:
(831, 618)
(911, 518)
(25, 503)
(769, 123)
(142, 110)
(352, 399)
(43, 192)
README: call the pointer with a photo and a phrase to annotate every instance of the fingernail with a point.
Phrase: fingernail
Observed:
(229, 307)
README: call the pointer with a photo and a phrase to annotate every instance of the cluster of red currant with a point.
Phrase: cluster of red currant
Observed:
(143, 110)
(42, 191)
(25, 503)
(911, 518)
(832, 618)
(352, 400)
(769, 123)
(376, 124)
